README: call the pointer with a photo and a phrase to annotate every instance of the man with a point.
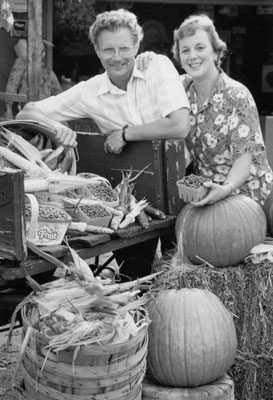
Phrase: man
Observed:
(126, 104)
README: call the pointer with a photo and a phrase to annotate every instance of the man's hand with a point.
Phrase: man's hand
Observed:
(64, 135)
(114, 143)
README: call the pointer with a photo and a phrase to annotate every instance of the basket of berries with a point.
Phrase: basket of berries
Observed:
(92, 214)
(100, 189)
(191, 188)
(46, 224)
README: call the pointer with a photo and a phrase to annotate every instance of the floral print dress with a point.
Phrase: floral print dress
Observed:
(226, 127)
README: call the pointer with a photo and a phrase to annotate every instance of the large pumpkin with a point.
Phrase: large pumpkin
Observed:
(192, 338)
(221, 233)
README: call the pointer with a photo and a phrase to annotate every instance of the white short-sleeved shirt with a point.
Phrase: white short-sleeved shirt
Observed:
(151, 94)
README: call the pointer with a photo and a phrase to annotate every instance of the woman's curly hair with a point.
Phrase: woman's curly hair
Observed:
(189, 27)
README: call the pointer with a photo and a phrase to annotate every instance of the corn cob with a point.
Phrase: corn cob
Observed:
(31, 168)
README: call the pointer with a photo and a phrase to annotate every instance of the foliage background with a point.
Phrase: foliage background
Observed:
(76, 15)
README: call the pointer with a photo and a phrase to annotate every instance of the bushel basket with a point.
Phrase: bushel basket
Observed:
(94, 372)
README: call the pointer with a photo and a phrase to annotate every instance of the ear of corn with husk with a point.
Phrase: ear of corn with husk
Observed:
(71, 313)
(35, 160)
(75, 311)
(124, 189)
(35, 167)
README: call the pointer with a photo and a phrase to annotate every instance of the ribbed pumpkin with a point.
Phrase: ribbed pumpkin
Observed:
(221, 233)
(192, 338)
(268, 209)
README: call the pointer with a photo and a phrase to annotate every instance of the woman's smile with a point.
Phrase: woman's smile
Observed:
(195, 64)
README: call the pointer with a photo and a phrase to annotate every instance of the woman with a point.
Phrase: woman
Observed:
(225, 140)
(18, 78)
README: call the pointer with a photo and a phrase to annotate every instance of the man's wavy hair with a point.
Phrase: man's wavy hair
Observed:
(189, 27)
(113, 20)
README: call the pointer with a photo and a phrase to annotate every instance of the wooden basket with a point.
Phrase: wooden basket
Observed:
(106, 372)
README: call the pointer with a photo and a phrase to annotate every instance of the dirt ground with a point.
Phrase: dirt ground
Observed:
(8, 362)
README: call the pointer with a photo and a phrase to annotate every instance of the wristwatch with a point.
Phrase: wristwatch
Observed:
(123, 132)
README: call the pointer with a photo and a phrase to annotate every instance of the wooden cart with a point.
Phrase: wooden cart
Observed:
(164, 162)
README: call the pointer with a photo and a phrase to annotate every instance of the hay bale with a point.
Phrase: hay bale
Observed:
(247, 291)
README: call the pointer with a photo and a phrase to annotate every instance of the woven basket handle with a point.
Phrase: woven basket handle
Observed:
(34, 216)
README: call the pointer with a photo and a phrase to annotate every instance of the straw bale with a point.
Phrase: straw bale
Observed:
(247, 291)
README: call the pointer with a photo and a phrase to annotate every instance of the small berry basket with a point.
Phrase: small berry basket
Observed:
(191, 189)
(46, 224)
(92, 214)
(100, 189)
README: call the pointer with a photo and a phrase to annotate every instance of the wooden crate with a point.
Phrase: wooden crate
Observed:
(164, 160)
(12, 236)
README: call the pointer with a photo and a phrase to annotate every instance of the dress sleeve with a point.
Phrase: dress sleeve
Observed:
(244, 125)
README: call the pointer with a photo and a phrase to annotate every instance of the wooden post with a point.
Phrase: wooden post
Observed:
(48, 31)
(35, 48)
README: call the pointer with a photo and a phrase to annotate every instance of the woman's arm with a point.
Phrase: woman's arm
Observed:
(237, 176)
(240, 171)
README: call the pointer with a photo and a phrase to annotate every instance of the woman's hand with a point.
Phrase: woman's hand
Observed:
(237, 175)
(143, 60)
(216, 192)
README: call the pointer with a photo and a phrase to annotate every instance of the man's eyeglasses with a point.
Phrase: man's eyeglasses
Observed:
(106, 54)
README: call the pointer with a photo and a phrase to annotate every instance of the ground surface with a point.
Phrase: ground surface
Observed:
(8, 363)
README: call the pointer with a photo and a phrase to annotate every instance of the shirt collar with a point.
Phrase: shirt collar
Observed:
(107, 86)
(219, 86)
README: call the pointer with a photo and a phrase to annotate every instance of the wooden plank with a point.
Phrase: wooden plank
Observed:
(206, 2)
(12, 234)
(159, 182)
(175, 170)
(34, 48)
(124, 238)
(31, 267)
(136, 230)
(117, 244)
(48, 30)
(7, 97)
(89, 240)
